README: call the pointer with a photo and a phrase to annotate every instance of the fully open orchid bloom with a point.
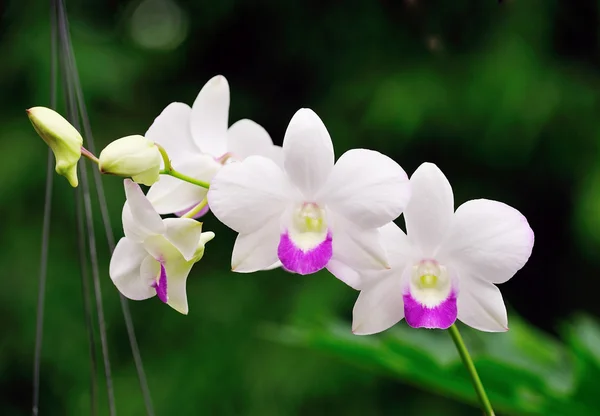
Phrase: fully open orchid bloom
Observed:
(446, 267)
(310, 214)
(199, 141)
(156, 255)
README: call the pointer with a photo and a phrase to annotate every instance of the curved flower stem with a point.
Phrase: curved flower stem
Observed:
(196, 209)
(168, 170)
(185, 178)
(165, 157)
(468, 363)
(89, 155)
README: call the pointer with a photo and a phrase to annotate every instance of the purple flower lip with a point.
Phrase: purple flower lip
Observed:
(441, 316)
(161, 285)
(301, 261)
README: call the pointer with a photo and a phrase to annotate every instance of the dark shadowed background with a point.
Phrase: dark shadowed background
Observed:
(504, 98)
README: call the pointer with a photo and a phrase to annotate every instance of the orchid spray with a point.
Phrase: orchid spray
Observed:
(297, 208)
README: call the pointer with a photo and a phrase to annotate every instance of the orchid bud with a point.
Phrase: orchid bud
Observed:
(132, 156)
(64, 140)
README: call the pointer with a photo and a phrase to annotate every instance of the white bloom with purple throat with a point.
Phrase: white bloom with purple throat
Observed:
(199, 141)
(310, 214)
(446, 266)
(156, 255)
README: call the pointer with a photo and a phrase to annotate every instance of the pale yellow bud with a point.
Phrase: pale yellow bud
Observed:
(132, 156)
(64, 140)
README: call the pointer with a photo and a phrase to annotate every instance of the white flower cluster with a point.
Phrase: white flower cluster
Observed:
(296, 207)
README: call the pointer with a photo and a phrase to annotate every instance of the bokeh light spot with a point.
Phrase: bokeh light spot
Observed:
(159, 25)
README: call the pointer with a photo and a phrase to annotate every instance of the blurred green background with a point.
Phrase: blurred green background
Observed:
(503, 97)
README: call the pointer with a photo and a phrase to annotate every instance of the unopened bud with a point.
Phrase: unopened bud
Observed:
(132, 156)
(64, 140)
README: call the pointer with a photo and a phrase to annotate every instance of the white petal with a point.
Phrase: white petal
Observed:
(246, 195)
(124, 270)
(397, 245)
(431, 208)
(489, 239)
(139, 217)
(379, 305)
(308, 152)
(345, 273)
(162, 249)
(367, 187)
(177, 269)
(206, 237)
(171, 195)
(357, 249)
(246, 138)
(210, 114)
(149, 271)
(275, 153)
(273, 266)
(171, 129)
(184, 234)
(480, 305)
(177, 273)
(257, 250)
(399, 254)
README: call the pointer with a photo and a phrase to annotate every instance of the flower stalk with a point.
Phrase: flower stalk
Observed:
(168, 170)
(165, 157)
(468, 363)
(196, 209)
(89, 155)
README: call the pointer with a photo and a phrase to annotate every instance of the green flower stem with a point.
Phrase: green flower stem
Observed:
(185, 178)
(89, 155)
(168, 170)
(196, 209)
(468, 363)
(165, 157)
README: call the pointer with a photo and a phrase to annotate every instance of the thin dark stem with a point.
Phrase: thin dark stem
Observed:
(108, 227)
(87, 203)
(39, 328)
(87, 301)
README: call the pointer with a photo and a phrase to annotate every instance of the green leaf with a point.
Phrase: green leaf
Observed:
(524, 371)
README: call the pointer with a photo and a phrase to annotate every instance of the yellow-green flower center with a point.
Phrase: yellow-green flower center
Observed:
(310, 219)
(428, 281)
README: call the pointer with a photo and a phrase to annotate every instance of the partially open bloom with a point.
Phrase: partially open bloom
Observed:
(199, 141)
(446, 266)
(132, 156)
(310, 214)
(64, 140)
(156, 255)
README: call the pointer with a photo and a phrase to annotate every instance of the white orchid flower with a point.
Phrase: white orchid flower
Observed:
(199, 141)
(310, 214)
(156, 255)
(447, 266)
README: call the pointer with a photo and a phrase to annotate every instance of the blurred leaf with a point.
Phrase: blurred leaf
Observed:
(524, 370)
